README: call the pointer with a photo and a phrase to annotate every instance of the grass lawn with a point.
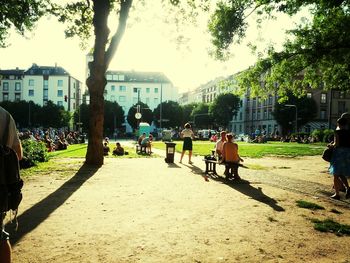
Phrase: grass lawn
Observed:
(255, 150)
(79, 151)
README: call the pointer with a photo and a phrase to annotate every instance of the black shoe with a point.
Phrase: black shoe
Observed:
(347, 195)
(335, 197)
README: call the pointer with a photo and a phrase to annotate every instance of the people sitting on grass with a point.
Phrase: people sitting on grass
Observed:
(231, 158)
(119, 150)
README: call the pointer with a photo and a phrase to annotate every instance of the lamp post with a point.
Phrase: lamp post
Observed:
(296, 115)
(160, 106)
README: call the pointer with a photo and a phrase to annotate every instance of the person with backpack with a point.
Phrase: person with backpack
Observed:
(9, 138)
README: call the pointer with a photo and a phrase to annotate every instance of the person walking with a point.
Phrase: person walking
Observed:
(187, 135)
(340, 162)
(7, 126)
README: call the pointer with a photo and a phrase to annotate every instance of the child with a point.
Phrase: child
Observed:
(231, 158)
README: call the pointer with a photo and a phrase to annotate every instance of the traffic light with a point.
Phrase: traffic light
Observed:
(65, 98)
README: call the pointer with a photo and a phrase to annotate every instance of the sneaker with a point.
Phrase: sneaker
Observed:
(190, 162)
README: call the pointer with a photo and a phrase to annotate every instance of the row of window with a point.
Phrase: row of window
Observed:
(122, 99)
(31, 83)
(135, 90)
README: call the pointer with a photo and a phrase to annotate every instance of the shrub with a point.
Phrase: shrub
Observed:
(318, 134)
(33, 152)
(328, 135)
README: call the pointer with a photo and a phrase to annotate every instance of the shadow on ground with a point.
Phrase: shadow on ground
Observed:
(35, 215)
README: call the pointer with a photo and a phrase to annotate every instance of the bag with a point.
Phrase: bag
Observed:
(327, 154)
(10, 181)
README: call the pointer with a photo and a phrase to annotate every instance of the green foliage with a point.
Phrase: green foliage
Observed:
(223, 108)
(285, 116)
(329, 225)
(171, 113)
(113, 117)
(19, 15)
(309, 205)
(316, 53)
(328, 135)
(201, 116)
(187, 112)
(147, 115)
(318, 134)
(33, 152)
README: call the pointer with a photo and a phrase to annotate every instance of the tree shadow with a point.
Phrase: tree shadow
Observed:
(244, 187)
(39, 212)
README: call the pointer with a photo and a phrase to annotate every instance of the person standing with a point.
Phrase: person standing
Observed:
(7, 126)
(187, 135)
(340, 162)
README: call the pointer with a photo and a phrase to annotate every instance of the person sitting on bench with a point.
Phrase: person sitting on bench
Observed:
(146, 142)
(231, 158)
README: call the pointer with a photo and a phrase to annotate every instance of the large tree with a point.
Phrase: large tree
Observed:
(201, 116)
(171, 114)
(316, 54)
(223, 108)
(286, 115)
(146, 114)
(187, 111)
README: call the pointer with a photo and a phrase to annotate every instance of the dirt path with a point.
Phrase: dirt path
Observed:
(144, 210)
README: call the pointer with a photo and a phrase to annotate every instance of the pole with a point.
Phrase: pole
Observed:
(160, 106)
(29, 124)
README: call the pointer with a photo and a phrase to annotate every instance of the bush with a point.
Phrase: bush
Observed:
(328, 135)
(318, 134)
(33, 152)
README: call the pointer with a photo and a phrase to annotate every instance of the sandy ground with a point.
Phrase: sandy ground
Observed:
(144, 210)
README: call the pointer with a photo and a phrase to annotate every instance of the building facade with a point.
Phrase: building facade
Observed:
(41, 84)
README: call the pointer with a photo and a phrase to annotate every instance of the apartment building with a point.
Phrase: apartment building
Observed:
(41, 84)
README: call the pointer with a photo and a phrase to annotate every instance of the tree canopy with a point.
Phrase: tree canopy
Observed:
(171, 114)
(147, 115)
(223, 108)
(315, 55)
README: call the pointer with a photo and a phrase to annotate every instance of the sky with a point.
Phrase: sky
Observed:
(146, 46)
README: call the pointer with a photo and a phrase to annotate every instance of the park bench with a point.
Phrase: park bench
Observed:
(141, 149)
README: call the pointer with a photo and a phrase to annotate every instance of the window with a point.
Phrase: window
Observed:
(240, 116)
(5, 96)
(309, 95)
(269, 115)
(112, 88)
(147, 101)
(323, 98)
(17, 86)
(254, 115)
(5, 86)
(121, 98)
(46, 94)
(31, 93)
(31, 82)
(59, 83)
(254, 102)
(342, 95)
(121, 77)
(265, 114)
(148, 90)
(323, 114)
(156, 101)
(59, 103)
(258, 115)
(270, 100)
(109, 77)
(135, 90)
(59, 93)
(17, 96)
(155, 90)
(122, 88)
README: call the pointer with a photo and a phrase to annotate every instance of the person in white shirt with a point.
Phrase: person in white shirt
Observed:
(187, 135)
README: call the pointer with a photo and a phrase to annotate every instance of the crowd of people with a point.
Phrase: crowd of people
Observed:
(54, 139)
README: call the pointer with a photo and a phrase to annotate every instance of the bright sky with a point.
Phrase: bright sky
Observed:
(144, 47)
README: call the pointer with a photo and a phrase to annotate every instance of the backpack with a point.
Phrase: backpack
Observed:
(10, 181)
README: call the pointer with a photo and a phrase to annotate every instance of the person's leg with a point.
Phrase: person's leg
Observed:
(345, 183)
(337, 186)
(189, 156)
(182, 155)
(235, 172)
(5, 246)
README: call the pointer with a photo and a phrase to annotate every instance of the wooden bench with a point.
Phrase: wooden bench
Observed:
(141, 149)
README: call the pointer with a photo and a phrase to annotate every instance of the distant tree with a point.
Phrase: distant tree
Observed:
(223, 108)
(171, 114)
(114, 117)
(147, 115)
(187, 112)
(285, 116)
(54, 116)
(201, 116)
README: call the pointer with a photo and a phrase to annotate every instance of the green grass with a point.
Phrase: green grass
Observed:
(255, 150)
(329, 225)
(309, 205)
(79, 151)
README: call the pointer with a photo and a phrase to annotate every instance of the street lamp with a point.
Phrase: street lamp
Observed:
(296, 115)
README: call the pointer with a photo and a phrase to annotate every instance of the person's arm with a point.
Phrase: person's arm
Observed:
(336, 140)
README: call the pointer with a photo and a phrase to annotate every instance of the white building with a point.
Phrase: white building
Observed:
(41, 84)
